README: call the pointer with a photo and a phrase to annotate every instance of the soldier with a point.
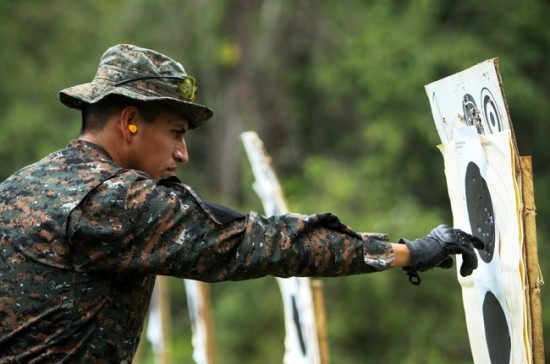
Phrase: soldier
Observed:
(85, 230)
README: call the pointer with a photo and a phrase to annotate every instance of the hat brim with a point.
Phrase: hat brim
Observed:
(90, 93)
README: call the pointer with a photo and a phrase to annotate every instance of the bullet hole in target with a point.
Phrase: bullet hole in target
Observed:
(472, 113)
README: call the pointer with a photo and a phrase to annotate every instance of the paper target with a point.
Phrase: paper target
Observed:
(301, 341)
(478, 147)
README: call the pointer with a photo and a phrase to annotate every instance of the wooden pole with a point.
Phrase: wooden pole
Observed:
(164, 302)
(160, 296)
(205, 295)
(139, 352)
(200, 313)
(321, 320)
(534, 276)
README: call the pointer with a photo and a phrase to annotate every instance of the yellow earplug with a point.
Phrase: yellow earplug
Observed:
(132, 128)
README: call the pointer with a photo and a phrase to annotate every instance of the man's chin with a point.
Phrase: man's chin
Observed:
(168, 173)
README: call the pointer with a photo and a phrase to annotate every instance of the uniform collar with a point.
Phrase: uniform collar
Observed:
(93, 150)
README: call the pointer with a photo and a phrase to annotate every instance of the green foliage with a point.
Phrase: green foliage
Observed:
(336, 90)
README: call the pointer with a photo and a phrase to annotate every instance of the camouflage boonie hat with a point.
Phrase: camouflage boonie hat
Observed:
(140, 74)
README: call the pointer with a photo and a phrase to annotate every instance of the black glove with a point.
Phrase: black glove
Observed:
(436, 248)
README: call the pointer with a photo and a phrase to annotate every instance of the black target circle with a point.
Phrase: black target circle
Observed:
(491, 115)
(480, 210)
(298, 325)
(497, 334)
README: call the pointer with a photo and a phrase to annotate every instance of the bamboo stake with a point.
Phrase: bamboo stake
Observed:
(534, 276)
(321, 320)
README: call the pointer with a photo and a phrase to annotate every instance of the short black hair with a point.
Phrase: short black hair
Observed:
(96, 115)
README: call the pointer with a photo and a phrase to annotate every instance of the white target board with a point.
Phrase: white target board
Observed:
(301, 341)
(480, 157)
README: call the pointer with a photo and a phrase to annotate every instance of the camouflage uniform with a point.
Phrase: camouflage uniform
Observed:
(82, 240)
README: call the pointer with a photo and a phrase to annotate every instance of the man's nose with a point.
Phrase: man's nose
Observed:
(180, 153)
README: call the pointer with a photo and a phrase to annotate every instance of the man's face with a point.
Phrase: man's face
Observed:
(159, 146)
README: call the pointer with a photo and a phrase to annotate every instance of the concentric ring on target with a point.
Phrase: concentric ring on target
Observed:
(491, 116)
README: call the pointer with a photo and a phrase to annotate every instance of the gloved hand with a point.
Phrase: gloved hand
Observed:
(436, 248)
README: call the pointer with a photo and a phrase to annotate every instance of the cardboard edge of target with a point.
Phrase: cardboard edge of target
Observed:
(524, 179)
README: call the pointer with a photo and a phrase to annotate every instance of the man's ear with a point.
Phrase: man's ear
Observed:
(129, 121)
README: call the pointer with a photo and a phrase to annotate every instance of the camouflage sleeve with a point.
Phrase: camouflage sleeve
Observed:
(165, 228)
